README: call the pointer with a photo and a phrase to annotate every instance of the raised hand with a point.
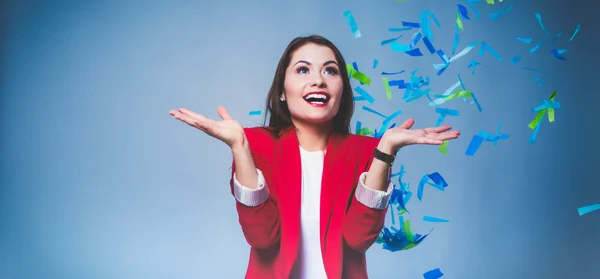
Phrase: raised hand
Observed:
(226, 130)
(401, 136)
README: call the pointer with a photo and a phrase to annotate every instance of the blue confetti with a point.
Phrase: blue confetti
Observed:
(463, 11)
(498, 14)
(455, 42)
(389, 41)
(434, 219)
(473, 64)
(373, 111)
(433, 274)
(575, 32)
(525, 40)
(365, 96)
(485, 46)
(539, 19)
(411, 24)
(395, 73)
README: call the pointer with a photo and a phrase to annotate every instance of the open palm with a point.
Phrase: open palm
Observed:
(226, 130)
(402, 135)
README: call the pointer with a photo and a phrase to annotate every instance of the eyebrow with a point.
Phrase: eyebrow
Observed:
(324, 64)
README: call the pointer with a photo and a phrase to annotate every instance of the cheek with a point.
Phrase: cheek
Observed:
(336, 89)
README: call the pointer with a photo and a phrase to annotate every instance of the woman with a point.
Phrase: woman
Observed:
(311, 197)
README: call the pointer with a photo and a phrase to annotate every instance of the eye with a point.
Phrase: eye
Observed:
(331, 70)
(302, 70)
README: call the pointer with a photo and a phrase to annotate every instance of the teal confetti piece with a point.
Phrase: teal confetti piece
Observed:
(358, 127)
(535, 48)
(352, 23)
(391, 117)
(389, 41)
(494, 138)
(255, 112)
(473, 64)
(533, 136)
(443, 113)
(373, 111)
(515, 60)
(438, 183)
(434, 219)
(474, 145)
(498, 14)
(558, 53)
(555, 38)
(455, 42)
(364, 95)
(375, 62)
(525, 40)
(534, 70)
(588, 209)
(539, 19)
(389, 74)
(488, 48)
(400, 47)
(575, 33)
(425, 27)
(462, 85)
(399, 29)
(473, 8)
(538, 81)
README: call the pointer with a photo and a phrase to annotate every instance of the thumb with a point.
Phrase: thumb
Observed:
(407, 124)
(223, 113)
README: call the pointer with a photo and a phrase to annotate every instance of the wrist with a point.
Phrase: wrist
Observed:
(386, 146)
(240, 148)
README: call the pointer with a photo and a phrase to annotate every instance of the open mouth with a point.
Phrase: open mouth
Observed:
(317, 99)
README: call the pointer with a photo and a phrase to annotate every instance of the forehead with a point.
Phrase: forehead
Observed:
(313, 53)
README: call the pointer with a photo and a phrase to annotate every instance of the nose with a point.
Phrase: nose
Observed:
(318, 81)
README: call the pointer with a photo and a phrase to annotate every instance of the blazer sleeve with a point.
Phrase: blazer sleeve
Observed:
(260, 224)
(363, 224)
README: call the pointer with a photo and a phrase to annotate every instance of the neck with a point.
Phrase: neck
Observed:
(313, 137)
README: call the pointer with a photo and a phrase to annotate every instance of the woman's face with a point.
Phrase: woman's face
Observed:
(313, 86)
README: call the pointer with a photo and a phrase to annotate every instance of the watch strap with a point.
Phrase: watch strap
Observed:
(387, 158)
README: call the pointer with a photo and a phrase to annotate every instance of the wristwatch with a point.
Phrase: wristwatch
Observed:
(386, 158)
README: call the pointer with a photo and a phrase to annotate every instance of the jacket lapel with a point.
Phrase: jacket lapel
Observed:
(334, 158)
(290, 171)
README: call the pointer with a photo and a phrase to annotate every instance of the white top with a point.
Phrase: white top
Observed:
(310, 260)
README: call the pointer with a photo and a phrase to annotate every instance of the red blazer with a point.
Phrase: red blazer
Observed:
(348, 228)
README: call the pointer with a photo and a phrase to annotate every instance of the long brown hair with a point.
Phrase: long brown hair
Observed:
(280, 118)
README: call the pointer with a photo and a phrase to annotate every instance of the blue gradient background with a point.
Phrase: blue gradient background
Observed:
(97, 180)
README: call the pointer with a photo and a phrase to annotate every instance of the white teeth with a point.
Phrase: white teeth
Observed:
(320, 96)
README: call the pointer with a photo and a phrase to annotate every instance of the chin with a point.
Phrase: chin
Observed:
(320, 120)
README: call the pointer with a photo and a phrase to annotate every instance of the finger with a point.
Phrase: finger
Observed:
(184, 118)
(407, 124)
(437, 129)
(195, 120)
(223, 113)
(443, 136)
(192, 114)
(430, 141)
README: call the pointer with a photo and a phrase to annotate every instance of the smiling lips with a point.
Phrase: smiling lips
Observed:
(317, 99)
